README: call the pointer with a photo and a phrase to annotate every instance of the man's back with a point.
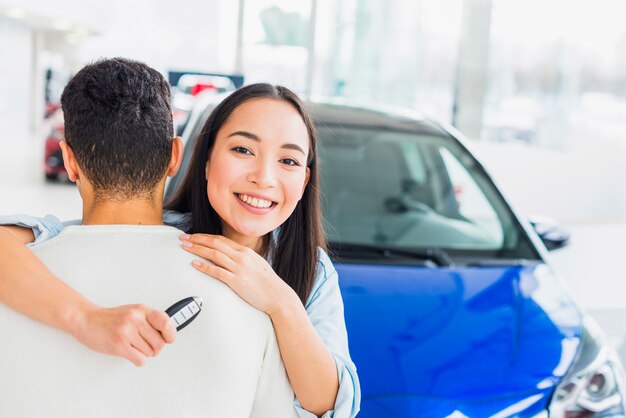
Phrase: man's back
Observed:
(224, 364)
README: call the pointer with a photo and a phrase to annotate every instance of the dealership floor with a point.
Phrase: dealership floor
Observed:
(592, 265)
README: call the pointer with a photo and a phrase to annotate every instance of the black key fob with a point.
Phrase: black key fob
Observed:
(184, 311)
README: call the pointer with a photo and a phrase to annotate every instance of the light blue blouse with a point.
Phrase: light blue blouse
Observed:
(324, 308)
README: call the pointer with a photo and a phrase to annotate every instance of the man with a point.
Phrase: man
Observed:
(119, 151)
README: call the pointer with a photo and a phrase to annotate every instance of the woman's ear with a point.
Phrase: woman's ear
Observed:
(69, 161)
(206, 171)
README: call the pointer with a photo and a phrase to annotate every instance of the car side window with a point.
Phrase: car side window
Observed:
(471, 203)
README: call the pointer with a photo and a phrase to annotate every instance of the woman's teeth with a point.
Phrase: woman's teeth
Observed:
(253, 201)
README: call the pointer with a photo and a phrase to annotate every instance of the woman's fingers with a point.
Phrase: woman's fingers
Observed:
(215, 271)
(142, 345)
(218, 256)
(130, 331)
(247, 273)
(218, 242)
(161, 322)
(134, 356)
(152, 337)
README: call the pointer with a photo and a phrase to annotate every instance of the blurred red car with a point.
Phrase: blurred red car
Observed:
(186, 90)
(53, 159)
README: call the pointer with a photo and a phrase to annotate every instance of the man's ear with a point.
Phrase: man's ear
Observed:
(69, 161)
(177, 156)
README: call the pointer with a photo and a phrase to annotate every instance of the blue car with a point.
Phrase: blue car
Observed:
(451, 307)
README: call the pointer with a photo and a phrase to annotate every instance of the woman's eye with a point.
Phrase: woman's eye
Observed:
(290, 162)
(242, 150)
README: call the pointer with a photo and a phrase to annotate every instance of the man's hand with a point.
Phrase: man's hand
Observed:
(133, 332)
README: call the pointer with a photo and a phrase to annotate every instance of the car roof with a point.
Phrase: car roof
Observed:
(358, 116)
(342, 112)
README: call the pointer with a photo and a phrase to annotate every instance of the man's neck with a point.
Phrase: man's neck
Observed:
(129, 212)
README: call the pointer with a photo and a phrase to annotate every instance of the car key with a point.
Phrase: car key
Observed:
(184, 311)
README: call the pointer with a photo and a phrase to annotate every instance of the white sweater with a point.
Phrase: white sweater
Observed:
(224, 364)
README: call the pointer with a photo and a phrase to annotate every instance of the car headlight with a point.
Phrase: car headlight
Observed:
(593, 386)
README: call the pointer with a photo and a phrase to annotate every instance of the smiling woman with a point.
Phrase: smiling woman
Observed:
(261, 229)
(257, 169)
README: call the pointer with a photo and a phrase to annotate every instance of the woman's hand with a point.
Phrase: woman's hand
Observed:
(309, 364)
(241, 268)
(134, 332)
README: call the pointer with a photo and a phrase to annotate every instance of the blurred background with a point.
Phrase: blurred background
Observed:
(538, 87)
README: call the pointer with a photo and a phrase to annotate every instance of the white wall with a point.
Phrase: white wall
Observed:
(184, 35)
(165, 35)
(91, 14)
(581, 184)
(15, 80)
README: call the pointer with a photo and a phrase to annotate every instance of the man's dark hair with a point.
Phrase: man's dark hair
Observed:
(118, 122)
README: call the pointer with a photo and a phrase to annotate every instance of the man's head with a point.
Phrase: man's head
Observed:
(118, 128)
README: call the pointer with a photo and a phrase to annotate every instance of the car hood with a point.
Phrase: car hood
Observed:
(458, 341)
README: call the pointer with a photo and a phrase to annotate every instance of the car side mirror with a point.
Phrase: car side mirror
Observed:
(552, 235)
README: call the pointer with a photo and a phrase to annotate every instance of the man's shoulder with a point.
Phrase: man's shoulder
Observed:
(114, 229)
(89, 253)
(86, 236)
(147, 261)
(134, 251)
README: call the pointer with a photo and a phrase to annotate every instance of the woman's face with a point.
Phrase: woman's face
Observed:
(257, 171)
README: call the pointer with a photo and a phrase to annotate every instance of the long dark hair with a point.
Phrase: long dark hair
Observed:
(295, 255)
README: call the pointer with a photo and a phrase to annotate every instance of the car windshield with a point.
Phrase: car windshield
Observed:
(396, 189)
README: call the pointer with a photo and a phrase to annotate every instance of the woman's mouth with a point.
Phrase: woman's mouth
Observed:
(255, 202)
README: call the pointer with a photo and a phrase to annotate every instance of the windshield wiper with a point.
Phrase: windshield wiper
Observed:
(436, 256)
(501, 262)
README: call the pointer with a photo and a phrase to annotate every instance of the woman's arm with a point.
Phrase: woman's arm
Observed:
(22, 235)
(27, 286)
(324, 308)
(309, 364)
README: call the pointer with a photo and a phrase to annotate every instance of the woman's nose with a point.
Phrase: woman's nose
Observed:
(263, 174)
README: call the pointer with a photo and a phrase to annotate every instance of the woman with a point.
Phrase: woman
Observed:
(260, 228)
